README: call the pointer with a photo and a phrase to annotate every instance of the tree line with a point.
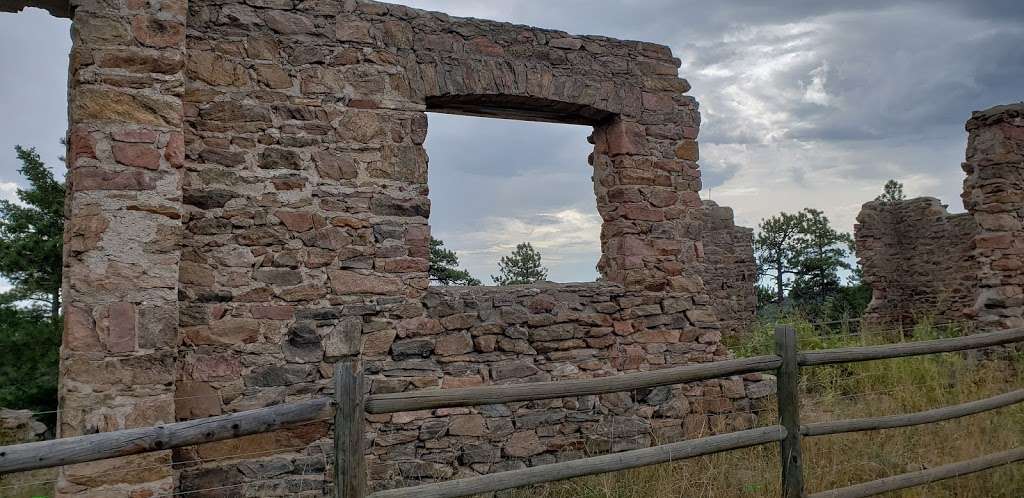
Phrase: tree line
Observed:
(522, 266)
(801, 262)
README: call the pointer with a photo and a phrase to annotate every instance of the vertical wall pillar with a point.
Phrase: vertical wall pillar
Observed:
(994, 194)
(647, 193)
(729, 269)
(647, 183)
(123, 234)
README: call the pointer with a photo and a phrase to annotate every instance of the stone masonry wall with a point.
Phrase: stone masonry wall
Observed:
(730, 271)
(122, 237)
(994, 195)
(918, 260)
(499, 335)
(922, 261)
(307, 204)
(248, 203)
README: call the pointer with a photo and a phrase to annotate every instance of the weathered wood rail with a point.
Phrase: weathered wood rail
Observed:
(866, 353)
(911, 419)
(489, 395)
(927, 476)
(92, 447)
(350, 407)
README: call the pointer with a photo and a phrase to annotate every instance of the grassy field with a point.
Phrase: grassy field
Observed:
(850, 391)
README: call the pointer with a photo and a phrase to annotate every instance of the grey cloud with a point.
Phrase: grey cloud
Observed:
(33, 88)
(487, 167)
(901, 82)
(458, 197)
(473, 145)
(715, 173)
(916, 73)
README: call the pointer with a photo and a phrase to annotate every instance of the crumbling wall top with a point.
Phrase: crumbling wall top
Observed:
(994, 115)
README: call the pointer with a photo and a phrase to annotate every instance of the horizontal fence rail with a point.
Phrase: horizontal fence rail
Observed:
(850, 355)
(589, 466)
(92, 447)
(489, 395)
(911, 419)
(921, 477)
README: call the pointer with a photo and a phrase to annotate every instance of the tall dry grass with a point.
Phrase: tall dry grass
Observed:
(851, 391)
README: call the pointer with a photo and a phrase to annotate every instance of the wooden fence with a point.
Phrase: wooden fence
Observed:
(350, 407)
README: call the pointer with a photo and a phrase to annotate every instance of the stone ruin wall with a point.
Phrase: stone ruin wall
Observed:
(994, 195)
(730, 271)
(248, 202)
(918, 260)
(498, 335)
(923, 262)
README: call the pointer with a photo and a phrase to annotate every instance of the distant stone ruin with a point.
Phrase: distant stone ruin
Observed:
(248, 203)
(919, 261)
(968, 269)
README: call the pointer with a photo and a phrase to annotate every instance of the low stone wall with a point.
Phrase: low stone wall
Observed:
(467, 336)
(18, 426)
(918, 260)
(502, 335)
(729, 270)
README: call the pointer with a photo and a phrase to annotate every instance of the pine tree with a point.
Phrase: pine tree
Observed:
(31, 240)
(523, 266)
(29, 359)
(32, 234)
(444, 266)
(822, 252)
(777, 251)
(892, 192)
(803, 252)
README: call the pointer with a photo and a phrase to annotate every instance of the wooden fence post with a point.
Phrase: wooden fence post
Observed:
(349, 431)
(789, 412)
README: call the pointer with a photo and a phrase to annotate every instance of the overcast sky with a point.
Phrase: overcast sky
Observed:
(805, 103)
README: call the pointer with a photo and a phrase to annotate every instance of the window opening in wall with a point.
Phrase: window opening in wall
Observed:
(496, 184)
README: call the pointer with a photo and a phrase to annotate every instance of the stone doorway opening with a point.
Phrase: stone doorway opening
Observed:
(496, 183)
